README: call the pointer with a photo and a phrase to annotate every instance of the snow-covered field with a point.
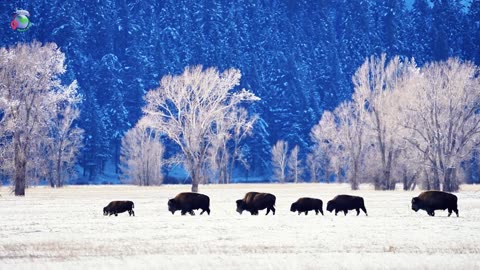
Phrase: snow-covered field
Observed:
(65, 229)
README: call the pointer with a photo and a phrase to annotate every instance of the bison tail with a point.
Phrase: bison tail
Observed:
(133, 205)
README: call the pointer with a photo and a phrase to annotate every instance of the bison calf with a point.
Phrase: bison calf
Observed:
(345, 203)
(255, 201)
(435, 200)
(186, 202)
(307, 204)
(115, 207)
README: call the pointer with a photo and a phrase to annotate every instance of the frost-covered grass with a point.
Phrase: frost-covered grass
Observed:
(65, 229)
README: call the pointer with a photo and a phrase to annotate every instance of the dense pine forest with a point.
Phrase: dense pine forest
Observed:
(297, 56)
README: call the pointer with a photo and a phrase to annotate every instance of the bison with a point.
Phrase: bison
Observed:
(186, 202)
(307, 204)
(115, 207)
(255, 201)
(345, 203)
(435, 200)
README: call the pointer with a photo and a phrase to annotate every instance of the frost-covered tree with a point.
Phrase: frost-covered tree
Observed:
(326, 149)
(314, 164)
(351, 139)
(29, 91)
(443, 102)
(141, 159)
(226, 147)
(295, 165)
(279, 160)
(187, 107)
(65, 138)
(374, 83)
(341, 136)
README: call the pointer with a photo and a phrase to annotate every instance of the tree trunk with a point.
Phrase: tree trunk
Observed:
(20, 168)
(59, 168)
(426, 184)
(194, 186)
(196, 175)
(354, 181)
(450, 180)
(436, 179)
(405, 181)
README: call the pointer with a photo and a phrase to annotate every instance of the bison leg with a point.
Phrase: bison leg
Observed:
(316, 211)
(206, 210)
(336, 212)
(321, 211)
(449, 212)
(431, 212)
(299, 212)
(201, 213)
(273, 210)
(131, 213)
(306, 213)
(364, 210)
(358, 211)
(192, 213)
(184, 212)
(116, 214)
(345, 211)
(456, 211)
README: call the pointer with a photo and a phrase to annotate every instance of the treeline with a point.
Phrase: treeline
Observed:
(297, 56)
(404, 124)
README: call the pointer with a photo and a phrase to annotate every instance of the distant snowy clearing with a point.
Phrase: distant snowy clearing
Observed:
(65, 229)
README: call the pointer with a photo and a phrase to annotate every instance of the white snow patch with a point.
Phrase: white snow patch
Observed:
(65, 229)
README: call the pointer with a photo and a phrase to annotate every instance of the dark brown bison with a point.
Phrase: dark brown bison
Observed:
(186, 202)
(345, 203)
(255, 201)
(307, 204)
(116, 207)
(435, 200)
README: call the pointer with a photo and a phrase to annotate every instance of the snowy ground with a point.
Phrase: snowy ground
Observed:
(65, 229)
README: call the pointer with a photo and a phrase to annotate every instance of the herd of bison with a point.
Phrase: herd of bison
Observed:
(253, 202)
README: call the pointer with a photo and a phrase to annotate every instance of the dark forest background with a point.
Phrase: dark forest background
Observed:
(298, 56)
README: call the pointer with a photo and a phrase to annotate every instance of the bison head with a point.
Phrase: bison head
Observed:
(293, 208)
(105, 211)
(330, 206)
(172, 206)
(415, 204)
(240, 206)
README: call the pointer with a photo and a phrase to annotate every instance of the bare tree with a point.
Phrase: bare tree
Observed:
(141, 158)
(65, 138)
(374, 82)
(315, 162)
(444, 102)
(327, 148)
(187, 107)
(29, 90)
(225, 147)
(279, 160)
(351, 136)
(295, 165)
